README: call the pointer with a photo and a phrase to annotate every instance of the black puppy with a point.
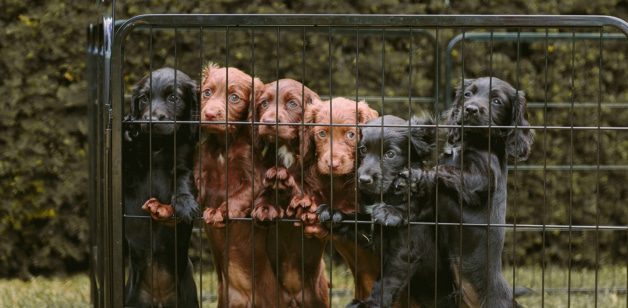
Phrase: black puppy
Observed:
(488, 126)
(388, 145)
(158, 148)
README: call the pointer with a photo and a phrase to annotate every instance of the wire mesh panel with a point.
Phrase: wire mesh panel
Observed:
(299, 201)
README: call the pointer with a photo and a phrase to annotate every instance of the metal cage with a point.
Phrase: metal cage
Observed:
(566, 226)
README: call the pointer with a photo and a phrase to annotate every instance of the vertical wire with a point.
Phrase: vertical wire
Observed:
(301, 151)
(277, 162)
(227, 166)
(543, 265)
(464, 32)
(150, 157)
(355, 174)
(253, 117)
(571, 137)
(331, 177)
(436, 198)
(381, 191)
(409, 149)
(516, 128)
(597, 178)
(174, 207)
(200, 158)
(491, 174)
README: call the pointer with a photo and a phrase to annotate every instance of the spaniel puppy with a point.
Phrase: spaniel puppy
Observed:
(388, 146)
(335, 135)
(225, 172)
(279, 109)
(488, 127)
(158, 147)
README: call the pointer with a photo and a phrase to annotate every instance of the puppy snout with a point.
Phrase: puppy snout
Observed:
(210, 115)
(334, 163)
(269, 119)
(365, 179)
(471, 109)
(156, 115)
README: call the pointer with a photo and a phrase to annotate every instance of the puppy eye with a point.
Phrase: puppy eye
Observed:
(207, 93)
(264, 103)
(234, 98)
(173, 98)
(350, 135)
(468, 94)
(143, 99)
(390, 154)
(293, 104)
(362, 150)
(496, 101)
(322, 134)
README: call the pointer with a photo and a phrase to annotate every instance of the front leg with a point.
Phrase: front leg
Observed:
(237, 205)
(264, 209)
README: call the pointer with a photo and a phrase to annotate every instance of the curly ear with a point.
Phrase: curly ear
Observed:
(192, 99)
(257, 89)
(365, 113)
(520, 137)
(451, 115)
(309, 96)
(422, 139)
(138, 90)
(309, 116)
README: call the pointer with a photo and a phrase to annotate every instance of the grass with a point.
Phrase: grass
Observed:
(71, 291)
(611, 285)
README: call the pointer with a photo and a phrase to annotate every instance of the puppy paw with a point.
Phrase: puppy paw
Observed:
(389, 216)
(158, 210)
(186, 208)
(408, 180)
(278, 178)
(299, 205)
(215, 217)
(266, 212)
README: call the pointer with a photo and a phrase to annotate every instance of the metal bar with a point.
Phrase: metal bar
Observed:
(376, 20)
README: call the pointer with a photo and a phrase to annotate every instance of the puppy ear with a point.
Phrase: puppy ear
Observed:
(257, 88)
(309, 116)
(422, 139)
(520, 137)
(451, 115)
(140, 88)
(192, 96)
(310, 96)
(365, 113)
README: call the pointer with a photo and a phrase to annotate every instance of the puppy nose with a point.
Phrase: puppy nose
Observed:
(471, 109)
(210, 115)
(269, 120)
(334, 163)
(155, 116)
(365, 179)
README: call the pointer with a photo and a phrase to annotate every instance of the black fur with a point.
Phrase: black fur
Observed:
(409, 254)
(157, 163)
(488, 127)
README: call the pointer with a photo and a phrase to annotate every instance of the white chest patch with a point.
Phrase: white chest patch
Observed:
(221, 159)
(286, 157)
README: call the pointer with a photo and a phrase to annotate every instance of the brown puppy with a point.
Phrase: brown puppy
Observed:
(335, 138)
(279, 111)
(225, 178)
